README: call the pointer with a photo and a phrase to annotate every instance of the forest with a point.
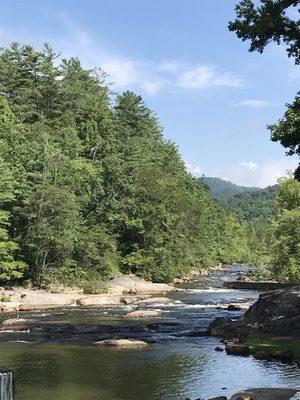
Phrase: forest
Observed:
(90, 187)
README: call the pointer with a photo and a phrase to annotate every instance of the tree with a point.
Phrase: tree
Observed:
(261, 25)
(287, 131)
(285, 233)
(96, 188)
(11, 267)
(267, 22)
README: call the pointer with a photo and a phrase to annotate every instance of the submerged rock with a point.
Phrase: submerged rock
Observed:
(265, 394)
(99, 300)
(154, 300)
(237, 349)
(123, 343)
(218, 398)
(219, 348)
(142, 314)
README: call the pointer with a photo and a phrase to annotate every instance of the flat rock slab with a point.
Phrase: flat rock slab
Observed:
(121, 343)
(154, 300)
(265, 394)
(142, 314)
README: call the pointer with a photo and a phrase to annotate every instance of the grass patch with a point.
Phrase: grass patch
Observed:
(272, 345)
(5, 299)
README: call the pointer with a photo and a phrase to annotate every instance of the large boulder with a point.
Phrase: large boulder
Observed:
(44, 298)
(131, 284)
(275, 313)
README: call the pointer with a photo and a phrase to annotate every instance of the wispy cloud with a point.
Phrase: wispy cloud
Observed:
(79, 34)
(251, 174)
(251, 165)
(254, 103)
(127, 73)
(193, 169)
(203, 76)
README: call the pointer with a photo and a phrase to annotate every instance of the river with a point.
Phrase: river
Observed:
(180, 362)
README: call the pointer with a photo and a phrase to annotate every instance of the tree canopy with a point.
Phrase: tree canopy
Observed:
(268, 22)
(94, 188)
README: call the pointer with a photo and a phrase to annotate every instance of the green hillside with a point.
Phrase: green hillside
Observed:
(254, 204)
(221, 189)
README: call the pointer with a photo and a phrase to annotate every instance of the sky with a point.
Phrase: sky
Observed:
(212, 97)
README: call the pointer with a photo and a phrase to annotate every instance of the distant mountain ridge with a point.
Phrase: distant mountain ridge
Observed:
(249, 203)
(223, 190)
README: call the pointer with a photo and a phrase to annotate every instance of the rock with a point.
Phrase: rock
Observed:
(121, 343)
(44, 298)
(275, 313)
(178, 281)
(233, 307)
(219, 326)
(204, 272)
(261, 355)
(218, 398)
(9, 306)
(99, 300)
(133, 299)
(265, 394)
(16, 324)
(14, 321)
(142, 314)
(282, 355)
(219, 348)
(237, 349)
(154, 300)
(131, 284)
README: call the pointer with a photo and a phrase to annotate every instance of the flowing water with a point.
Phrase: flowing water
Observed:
(180, 362)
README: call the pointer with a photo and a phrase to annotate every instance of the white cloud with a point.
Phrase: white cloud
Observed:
(251, 174)
(121, 72)
(250, 165)
(193, 169)
(203, 76)
(253, 103)
(127, 73)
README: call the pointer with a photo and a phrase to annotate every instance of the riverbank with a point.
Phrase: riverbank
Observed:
(121, 290)
(269, 330)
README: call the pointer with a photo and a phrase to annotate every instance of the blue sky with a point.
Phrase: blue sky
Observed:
(211, 95)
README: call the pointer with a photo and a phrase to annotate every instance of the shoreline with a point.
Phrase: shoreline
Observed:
(121, 290)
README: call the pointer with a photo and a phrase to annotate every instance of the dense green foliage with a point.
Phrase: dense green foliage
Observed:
(263, 23)
(285, 233)
(222, 190)
(256, 209)
(287, 131)
(268, 22)
(90, 187)
(251, 205)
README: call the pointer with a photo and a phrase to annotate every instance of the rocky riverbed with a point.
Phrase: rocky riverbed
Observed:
(155, 347)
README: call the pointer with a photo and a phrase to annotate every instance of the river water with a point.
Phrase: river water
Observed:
(180, 362)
